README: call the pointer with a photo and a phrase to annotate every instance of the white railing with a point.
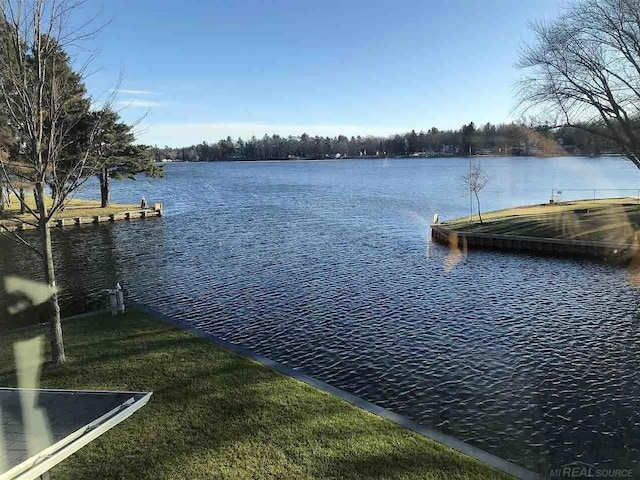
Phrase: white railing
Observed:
(595, 193)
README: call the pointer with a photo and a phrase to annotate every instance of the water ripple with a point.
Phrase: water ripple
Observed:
(320, 267)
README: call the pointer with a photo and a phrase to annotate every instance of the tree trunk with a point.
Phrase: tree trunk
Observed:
(22, 202)
(478, 200)
(55, 324)
(104, 188)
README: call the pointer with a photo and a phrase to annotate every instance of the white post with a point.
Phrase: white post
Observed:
(113, 302)
(119, 298)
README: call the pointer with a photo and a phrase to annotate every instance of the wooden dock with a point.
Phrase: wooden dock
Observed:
(616, 252)
(69, 221)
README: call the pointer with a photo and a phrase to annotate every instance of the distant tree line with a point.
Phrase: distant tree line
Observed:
(490, 139)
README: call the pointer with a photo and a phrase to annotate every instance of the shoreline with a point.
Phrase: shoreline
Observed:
(580, 228)
(398, 157)
(82, 212)
(498, 463)
(248, 396)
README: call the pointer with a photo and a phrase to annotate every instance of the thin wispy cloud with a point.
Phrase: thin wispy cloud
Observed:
(137, 103)
(192, 133)
(138, 92)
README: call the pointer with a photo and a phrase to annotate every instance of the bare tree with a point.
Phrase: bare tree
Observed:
(584, 71)
(43, 99)
(474, 181)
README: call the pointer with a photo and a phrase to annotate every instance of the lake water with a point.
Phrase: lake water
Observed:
(328, 267)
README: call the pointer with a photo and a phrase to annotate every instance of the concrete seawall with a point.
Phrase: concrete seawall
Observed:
(435, 435)
(618, 252)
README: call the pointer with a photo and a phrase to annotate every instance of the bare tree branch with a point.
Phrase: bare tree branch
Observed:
(585, 67)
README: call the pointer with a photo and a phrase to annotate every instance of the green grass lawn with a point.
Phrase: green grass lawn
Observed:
(215, 414)
(613, 220)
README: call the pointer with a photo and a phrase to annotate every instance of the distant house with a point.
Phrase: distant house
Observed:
(568, 145)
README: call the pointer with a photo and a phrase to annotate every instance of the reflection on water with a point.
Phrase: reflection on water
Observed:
(85, 263)
(323, 267)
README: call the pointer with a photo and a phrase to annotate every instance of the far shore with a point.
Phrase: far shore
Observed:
(378, 157)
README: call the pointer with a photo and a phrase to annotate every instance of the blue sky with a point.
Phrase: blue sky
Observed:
(201, 70)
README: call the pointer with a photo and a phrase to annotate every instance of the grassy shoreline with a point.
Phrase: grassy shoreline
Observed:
(610, 220)
(75, 208)
(215, 414)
